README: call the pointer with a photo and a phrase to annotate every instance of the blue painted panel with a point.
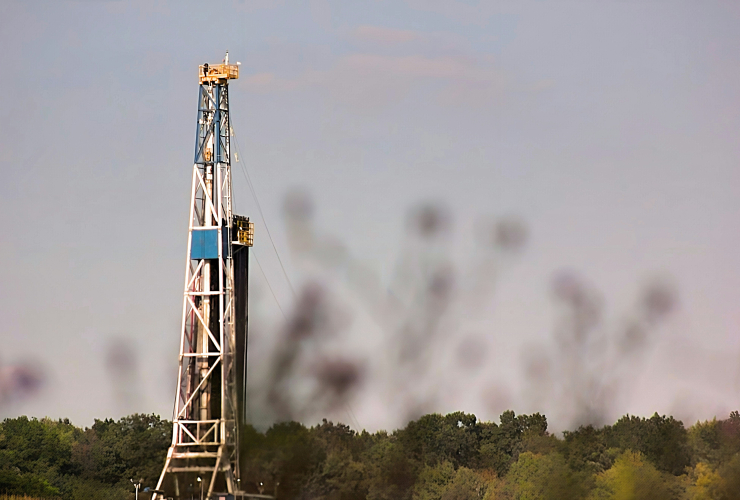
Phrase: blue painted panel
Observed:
(204, 244)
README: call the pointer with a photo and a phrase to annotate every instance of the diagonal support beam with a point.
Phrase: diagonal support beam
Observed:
(198, 388)
(203, 322)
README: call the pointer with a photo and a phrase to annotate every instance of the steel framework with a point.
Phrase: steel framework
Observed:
(208, 409)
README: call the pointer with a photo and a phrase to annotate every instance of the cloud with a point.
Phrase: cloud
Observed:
(542, 85)
(412, 66)
(254, 5)
(373, 80)
(466, 12)
(384, 36)
(260, 82)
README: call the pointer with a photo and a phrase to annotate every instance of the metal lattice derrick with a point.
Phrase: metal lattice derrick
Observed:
(212, 358)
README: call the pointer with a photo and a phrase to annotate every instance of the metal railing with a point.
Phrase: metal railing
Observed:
(217, 72)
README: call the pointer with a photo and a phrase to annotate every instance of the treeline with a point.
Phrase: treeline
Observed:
(451, 457)
(55, 459)
(456, 457)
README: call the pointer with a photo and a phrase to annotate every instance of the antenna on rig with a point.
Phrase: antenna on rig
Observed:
(210, 397)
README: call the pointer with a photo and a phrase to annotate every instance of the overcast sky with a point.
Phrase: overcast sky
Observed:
(611, 128)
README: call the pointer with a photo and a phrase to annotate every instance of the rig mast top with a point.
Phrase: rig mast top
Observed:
(218, 73)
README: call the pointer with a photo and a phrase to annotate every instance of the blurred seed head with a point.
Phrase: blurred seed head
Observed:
(300, 359)
(20, 381)
(579, 370)
(510, 234)
(633, 339)
(298, 206)
(339, 377)
(309, 315)
(584, 303)
(429, 220)
(120, 358)
(122, 366)
(537, 366)
(472, 352)
(659, 299)
(442, 283)
(568, 287)
(595, 366)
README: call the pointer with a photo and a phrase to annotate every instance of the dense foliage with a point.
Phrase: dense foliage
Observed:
(451, 457)
(55, 459)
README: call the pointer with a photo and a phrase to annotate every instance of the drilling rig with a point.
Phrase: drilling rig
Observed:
(210, 399)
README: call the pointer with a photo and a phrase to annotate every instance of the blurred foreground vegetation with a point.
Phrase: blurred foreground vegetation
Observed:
(16, 497)
(452, 457)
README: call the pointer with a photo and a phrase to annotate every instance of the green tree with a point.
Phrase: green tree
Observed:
(500, 445)
(663, 440)
(633, 478)
(13, 482)
(585, 450)
(433, 481)
(704, 483)
(35, 455)
(466, 485)
(715, 441)
(112, 452)
(282, 460)
(730, 484)
(542, 477)
(339, 478)
(435, 438)
(341, 475)
(391, 472)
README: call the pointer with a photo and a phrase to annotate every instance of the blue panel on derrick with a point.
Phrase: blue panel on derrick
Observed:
(204, 244)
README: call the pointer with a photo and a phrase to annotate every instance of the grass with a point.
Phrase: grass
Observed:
(16, 497)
